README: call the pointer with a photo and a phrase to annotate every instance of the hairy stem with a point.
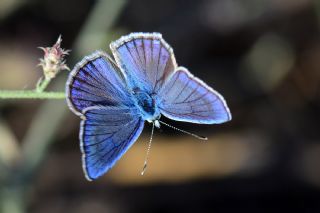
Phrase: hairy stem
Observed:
(43, 85)
(30, 94)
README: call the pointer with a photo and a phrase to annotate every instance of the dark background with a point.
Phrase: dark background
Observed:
(263, 56)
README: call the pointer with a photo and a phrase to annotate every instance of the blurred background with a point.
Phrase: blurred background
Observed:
(263, 56)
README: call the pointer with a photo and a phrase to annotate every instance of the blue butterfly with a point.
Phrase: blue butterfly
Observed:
(115, 98)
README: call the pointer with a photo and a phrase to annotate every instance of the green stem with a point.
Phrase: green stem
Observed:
(30, 94)
(43, 85)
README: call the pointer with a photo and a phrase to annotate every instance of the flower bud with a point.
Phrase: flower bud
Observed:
(53, 60)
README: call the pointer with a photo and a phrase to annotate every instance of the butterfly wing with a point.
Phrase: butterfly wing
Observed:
(96, 80)
(106, 134)
(146, 59)
(187, 98)
(111, 124)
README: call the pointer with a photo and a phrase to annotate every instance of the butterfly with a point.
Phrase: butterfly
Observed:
(114, 97)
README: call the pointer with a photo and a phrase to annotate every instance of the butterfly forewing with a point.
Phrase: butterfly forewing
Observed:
(106, 134)
(186, 98)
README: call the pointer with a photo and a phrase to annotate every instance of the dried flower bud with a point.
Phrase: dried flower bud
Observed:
(53, 60)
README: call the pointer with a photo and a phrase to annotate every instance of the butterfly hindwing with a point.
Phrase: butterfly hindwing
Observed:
(96, 80)
(106, 134)
(146, 59)
(186, 98)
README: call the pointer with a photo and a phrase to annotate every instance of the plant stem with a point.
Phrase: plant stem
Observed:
(30, 94)
(43, 85)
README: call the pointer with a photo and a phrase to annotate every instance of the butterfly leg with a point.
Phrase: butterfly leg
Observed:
(157, 124)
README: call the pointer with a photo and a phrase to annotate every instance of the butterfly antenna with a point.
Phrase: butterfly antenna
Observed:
(183, 131)
(148, 151)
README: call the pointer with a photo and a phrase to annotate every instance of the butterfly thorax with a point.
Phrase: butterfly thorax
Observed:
(146, 105)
